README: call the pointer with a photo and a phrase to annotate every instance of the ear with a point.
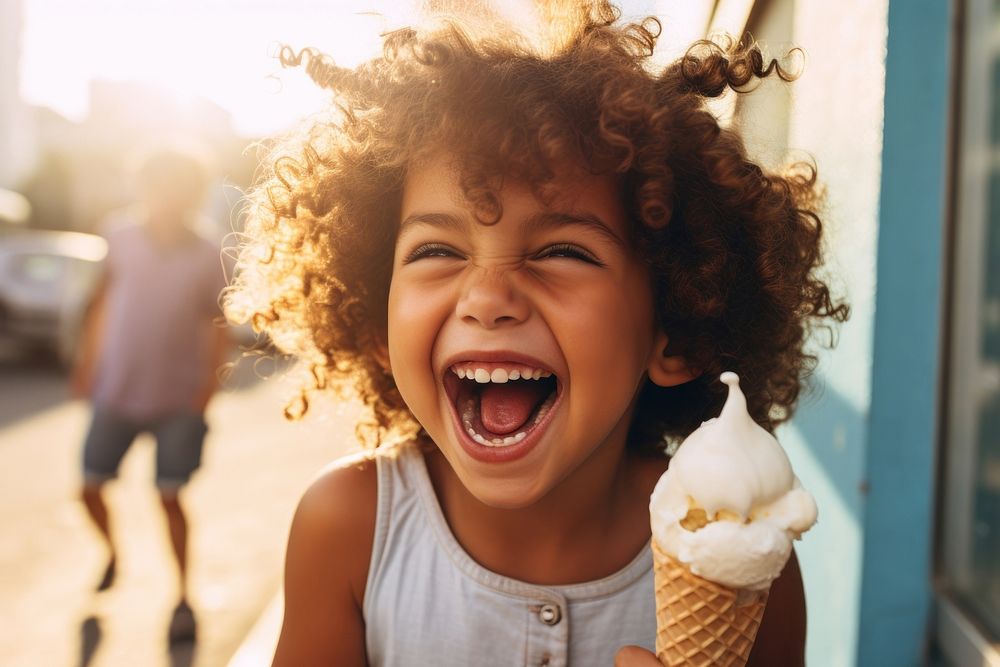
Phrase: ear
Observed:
(381, 354)
(667, 370)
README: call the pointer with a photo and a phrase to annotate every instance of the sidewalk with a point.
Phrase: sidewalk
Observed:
(258, 647)
(256, 466)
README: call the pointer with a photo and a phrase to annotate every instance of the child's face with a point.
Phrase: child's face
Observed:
(553, 289)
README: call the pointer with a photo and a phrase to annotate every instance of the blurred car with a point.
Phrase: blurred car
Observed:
(47, 279)
(14, 208)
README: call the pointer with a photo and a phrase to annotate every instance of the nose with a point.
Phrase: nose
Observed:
(490, 301)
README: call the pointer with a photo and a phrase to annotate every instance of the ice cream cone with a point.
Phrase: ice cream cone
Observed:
(698, 622)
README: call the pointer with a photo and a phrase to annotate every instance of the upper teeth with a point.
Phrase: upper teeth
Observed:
(499, 375)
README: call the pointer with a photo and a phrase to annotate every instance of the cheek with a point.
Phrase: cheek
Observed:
(607, 345)
(414, 318)
(612, 329)
(403, 323)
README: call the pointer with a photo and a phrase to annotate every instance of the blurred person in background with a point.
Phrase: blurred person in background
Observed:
(151, 348)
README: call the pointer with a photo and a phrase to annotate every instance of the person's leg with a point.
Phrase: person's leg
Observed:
(179, 441)
(177, 527)
(93, 500)
(108, 438)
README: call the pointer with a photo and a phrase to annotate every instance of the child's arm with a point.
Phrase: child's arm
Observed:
(219, 347)
(781, 639)
(329, 549)
(89, 341)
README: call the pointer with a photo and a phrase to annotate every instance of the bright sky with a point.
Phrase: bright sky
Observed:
(219, 49)
(223, 50)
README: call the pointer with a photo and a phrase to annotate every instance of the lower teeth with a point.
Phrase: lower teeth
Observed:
(496, 442)
(469, 411)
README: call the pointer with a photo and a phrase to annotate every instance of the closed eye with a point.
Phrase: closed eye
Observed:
(428, 250)
(568, 250)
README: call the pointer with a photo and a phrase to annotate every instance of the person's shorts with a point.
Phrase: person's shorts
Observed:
(179, 441)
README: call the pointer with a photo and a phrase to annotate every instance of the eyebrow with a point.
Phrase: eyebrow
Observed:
(547, 220)
(442, 220)
(539, 222)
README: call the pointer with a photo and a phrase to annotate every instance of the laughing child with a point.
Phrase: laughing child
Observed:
(531, 265)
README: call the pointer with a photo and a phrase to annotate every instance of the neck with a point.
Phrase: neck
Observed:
(590, 525)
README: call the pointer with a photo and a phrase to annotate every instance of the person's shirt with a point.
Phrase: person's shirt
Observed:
(161, 302)
(427, 602)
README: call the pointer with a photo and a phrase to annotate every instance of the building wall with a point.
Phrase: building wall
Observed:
(15, 139)
(864, 441)
(907, 347)
(834, 118)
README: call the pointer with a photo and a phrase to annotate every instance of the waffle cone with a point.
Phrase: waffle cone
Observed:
(698, 622)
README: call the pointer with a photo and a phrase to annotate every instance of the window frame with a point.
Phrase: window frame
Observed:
(958, 634)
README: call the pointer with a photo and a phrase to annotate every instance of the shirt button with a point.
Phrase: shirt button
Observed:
(550, 614)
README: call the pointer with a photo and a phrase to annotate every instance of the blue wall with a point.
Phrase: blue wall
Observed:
(902, 434)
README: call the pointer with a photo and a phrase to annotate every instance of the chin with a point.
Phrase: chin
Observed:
(504, 494)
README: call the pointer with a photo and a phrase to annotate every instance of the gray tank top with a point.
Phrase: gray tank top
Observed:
(427, 602)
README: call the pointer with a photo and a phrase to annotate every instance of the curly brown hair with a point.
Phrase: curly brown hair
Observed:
(733, 251)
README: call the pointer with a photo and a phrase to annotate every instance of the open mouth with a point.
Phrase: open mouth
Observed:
(500, 404)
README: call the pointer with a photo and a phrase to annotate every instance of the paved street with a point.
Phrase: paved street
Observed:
(256, 465)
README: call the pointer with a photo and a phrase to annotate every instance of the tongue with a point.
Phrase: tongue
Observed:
(504, 408)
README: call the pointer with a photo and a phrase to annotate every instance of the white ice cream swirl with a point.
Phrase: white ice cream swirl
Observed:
(729, 505)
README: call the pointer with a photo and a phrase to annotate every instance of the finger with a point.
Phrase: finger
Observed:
(633, 656)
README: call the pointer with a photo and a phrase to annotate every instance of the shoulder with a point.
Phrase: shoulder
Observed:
(335, 519)
(326, 568)
(120, 223)
(124, 236)
(343, 482)
(208, 251)
(207, 243)
(121, 230)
